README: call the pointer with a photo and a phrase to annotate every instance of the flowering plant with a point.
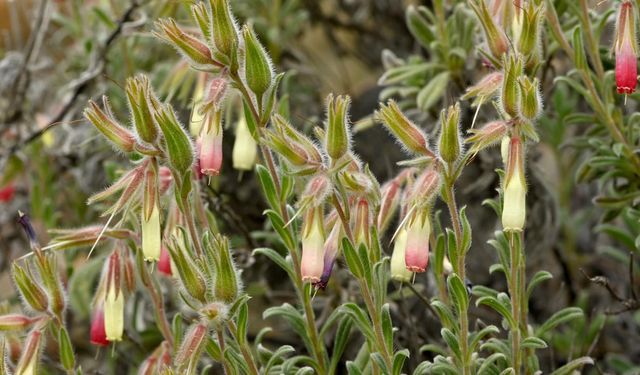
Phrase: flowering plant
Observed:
(328, 214)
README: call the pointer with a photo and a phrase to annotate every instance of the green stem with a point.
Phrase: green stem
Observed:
(244, 348)
(220, 333)
(376, 320)
(592, 45)
(514, 290)
(450, 199)
(319, 351)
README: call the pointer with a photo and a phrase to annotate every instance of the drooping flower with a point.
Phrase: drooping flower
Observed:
(514, 189)
(210, 141)
(399, 271)
(114, 299)
(312, 245)
(626, 49)
(164, 263)
(331, 249)
(245, 148)
(151, 236)
(418, 232)
(98, 335)
(7, 192)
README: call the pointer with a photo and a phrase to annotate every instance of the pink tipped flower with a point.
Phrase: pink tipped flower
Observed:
(312, 245)
(331, 248)
(98, 335)
(164, 264)
(626, 50)
(416, 255)
(211, 144)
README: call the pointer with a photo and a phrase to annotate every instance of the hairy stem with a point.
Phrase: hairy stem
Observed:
(450, 200)
(244, 349)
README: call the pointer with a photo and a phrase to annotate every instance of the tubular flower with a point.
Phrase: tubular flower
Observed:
(211, 144)
(313, 245)
(331, 249)
(245, 148)
(399, 271)
(164, 263)
(626, 50)
(151, 236)
(98, 334)
(515, 189)
(114, 299)
(418, 229)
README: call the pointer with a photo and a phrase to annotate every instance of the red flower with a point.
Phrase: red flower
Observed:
(98, 333)
(626, 50)
(164, 263)
(7, 193)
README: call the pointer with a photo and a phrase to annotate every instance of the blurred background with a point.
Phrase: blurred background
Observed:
(57, 54)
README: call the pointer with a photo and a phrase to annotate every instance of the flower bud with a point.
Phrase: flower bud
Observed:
(48, 269)
(245, 148)
(316, 191)
(32, 293)
(98, 334)
(485, 89)
(405, 131)
(190, 276)
(114, 298)
(331, 249)
(224, 29)
(178, 143)
(194, 50)
(226, 285)
(510, 94)
(337, 126)
(294, 146)
(29, 361)
(120, 136)
(362, 228)
(494, 34)
(399, 271)
(189, 353)
(514, 189)
(529, 28)
(389, 204)
(357, 182)
(210, 156)
(15, 322)
(626, 49)
(530, 99)
(312, 245)
(487, 136)
(202, 16)
(425, 188)
(139, 94)
(164, 263)
(418, 229)
(258, 70)
(450, 143)
(151, 236)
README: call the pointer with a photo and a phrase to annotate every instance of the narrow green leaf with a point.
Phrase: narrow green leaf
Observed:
(562, 316)
(433, 91)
